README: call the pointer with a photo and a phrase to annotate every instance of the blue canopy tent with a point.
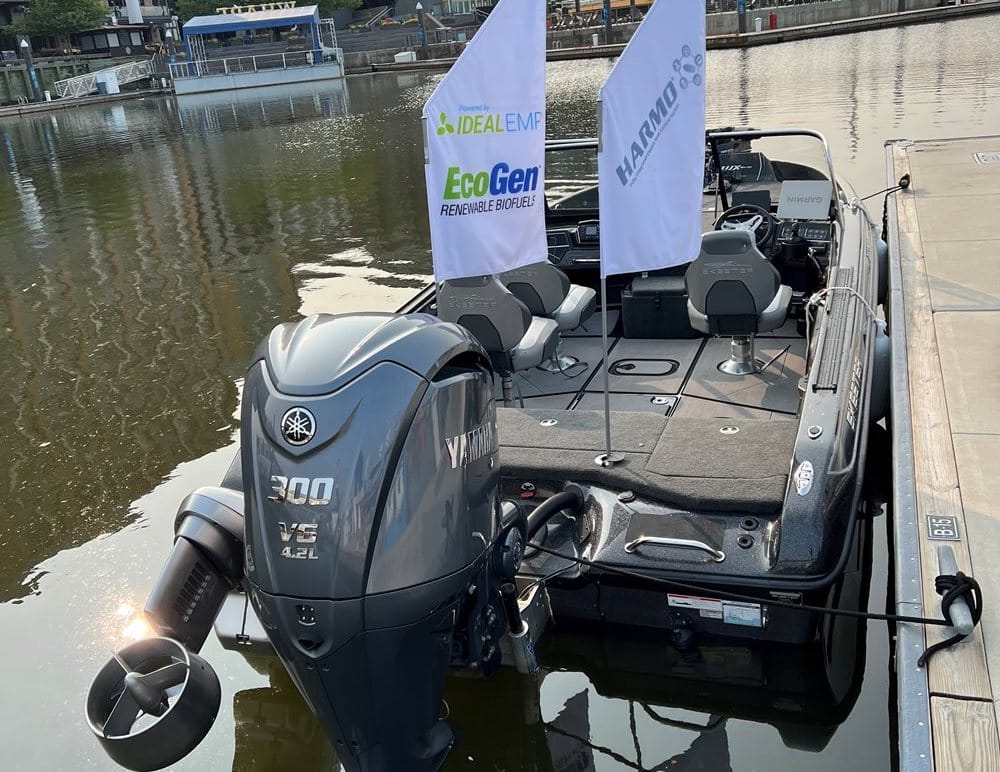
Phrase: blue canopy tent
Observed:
(306, 17)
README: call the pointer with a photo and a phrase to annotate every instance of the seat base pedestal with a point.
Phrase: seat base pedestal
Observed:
(560, 362)
(743, 362)
(741, 359)
(507, 385)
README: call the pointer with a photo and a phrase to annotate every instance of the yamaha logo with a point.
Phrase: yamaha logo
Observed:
(298, 426)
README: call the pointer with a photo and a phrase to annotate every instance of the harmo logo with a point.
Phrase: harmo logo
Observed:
(687, 73)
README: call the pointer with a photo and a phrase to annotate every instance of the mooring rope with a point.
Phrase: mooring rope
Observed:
(952, 587)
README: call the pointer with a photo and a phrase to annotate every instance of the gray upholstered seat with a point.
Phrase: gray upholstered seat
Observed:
(734, 290)
(514, 339)
(547, 291)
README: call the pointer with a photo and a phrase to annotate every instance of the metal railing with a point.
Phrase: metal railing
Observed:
(378, 17)
(237, 64)
(81, 85)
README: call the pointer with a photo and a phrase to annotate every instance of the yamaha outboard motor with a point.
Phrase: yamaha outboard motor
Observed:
(375, 540)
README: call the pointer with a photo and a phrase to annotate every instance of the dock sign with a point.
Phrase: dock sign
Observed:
(942, 528)
(484, 130)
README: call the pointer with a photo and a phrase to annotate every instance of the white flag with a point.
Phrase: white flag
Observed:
(485, 134)
(652, 157)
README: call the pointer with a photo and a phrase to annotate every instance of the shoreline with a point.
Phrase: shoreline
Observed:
(713, 42)
(735, 40)
(68, 104)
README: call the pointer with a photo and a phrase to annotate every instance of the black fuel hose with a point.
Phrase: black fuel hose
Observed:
(571, 497)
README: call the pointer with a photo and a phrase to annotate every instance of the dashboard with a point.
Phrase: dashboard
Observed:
(579, 248)
(575, 248)
(817, 233)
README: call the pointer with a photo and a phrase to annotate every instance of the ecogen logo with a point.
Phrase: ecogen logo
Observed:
(687, 72)
(498, 189)
(480, 119)
(499, 181)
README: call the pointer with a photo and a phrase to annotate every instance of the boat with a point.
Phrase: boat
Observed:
(600, 417)
(427, 491)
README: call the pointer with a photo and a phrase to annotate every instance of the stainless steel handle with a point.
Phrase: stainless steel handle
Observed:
(690, 544)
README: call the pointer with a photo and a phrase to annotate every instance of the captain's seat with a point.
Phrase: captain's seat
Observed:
(547, 291)
(733, 290)
(514, 339)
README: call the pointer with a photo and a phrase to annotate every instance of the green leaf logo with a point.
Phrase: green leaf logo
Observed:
(445, 127)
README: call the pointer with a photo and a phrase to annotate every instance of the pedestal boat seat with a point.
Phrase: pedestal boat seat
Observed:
(734, 290)
(514, 339)
(548, 292)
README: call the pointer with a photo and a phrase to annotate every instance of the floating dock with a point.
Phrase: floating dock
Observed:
(944, 318)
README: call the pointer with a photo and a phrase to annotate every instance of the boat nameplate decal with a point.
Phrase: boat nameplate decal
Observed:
(741, 613)
(988, 158)
(854, 396)
(803, 478)
(728, 611)
(943, 528)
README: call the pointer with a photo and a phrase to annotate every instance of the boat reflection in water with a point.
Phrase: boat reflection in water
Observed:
(676, 704)
(251, 108)
(275, 729)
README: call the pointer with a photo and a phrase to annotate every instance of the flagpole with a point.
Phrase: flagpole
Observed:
(427, 160)
(608, 457)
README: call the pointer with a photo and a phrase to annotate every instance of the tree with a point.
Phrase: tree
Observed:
(59, 18)
(186, 9)
(327, 6)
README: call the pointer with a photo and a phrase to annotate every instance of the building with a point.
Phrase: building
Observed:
(10, 11)
(129, 28)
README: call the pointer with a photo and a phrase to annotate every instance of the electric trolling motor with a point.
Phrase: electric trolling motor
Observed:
(364, 523)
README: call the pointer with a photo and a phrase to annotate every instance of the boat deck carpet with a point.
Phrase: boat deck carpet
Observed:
(684, 462)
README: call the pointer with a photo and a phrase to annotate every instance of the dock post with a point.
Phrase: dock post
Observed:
(961, 615)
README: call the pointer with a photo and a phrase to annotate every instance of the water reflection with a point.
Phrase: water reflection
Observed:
(631, 703)
(145, 248)
(136, 281)
(275, 729)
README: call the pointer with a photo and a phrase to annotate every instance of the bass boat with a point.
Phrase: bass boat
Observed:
(427, 491)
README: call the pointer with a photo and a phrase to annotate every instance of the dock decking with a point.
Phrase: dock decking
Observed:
(944, 246)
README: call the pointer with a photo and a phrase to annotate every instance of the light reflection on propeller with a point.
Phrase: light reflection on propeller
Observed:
(134, 624)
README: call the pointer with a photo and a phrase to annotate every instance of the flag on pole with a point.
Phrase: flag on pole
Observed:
(485, 138)
(650, 164)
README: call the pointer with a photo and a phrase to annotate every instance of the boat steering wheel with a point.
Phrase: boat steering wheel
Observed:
(750, 217)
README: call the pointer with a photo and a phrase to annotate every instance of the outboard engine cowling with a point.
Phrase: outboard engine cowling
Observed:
(370, 472)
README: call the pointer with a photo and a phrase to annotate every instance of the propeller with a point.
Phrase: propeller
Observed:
(152, 703)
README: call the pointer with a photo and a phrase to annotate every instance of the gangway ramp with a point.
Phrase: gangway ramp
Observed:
(82, 85)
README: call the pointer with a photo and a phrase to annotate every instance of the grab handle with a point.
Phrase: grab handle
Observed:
(717, 555)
